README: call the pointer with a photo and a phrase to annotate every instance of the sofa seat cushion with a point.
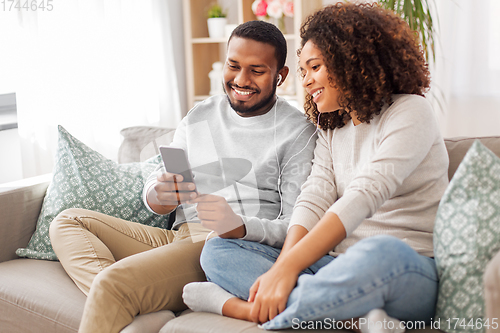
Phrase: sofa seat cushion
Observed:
(38, 296)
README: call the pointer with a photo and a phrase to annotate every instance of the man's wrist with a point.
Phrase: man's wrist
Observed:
(155, 206)
(161, 209)
(238, 232)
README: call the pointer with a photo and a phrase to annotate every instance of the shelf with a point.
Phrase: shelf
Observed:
(202, 51)
(209, 40)
(201, 97)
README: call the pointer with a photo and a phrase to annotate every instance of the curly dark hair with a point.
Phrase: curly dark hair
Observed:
(370, 53)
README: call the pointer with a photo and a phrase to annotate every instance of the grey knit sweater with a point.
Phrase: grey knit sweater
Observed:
(385, 177)
(242, 158)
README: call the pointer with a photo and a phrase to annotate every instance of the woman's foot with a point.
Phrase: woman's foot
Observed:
(378, 321)
(205, 297)
(209, 297)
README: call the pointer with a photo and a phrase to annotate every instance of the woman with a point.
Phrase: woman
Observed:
(359, 244)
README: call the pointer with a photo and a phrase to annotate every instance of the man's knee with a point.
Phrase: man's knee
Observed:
(112, 282)
(65, 219)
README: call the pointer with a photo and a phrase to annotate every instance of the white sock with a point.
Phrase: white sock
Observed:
(378, 321)
(205, 297)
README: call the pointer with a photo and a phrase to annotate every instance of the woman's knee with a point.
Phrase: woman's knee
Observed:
(383, 245)
(383, 252)
(213, 255)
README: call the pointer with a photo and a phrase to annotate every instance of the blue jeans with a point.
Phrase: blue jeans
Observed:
(380, 272)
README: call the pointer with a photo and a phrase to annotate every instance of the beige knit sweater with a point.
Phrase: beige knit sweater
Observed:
(385, 177)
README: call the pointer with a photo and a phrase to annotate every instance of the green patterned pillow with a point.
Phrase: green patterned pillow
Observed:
(83, 178)
(466, 237)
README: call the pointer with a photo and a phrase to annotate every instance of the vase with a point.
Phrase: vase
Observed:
(216, 27)
(278, 22)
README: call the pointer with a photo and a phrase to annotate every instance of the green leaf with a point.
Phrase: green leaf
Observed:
(417, 13)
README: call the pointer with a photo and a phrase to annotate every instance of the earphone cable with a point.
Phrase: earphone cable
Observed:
(280, 171)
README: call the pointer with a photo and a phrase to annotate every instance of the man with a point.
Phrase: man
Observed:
(250, 152)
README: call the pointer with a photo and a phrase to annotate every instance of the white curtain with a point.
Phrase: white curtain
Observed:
(467, 70)
(94, 67)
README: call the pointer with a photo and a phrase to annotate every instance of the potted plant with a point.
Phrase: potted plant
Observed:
(421, 16)
(418, 15)
(216, 21)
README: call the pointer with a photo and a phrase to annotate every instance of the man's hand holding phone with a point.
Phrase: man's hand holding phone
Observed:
(174, 184)
(170, 191)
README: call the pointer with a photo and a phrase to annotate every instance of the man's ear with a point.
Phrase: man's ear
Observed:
(284, 73)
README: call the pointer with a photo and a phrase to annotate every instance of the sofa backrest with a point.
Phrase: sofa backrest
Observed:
(458, 147)
(141, 143)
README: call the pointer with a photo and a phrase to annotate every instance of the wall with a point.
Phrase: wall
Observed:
(10, 156)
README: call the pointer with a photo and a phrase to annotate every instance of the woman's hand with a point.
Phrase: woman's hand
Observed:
(270, 292)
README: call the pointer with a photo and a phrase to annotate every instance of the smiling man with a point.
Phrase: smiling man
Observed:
(250, 152)
(250, 82)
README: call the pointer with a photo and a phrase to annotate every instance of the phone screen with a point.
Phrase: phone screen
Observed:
(175, 161)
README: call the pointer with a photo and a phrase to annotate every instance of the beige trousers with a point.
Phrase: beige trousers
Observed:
(125, 268)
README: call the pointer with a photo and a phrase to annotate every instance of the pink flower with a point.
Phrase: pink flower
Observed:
(288, 8)
(274, 9)
(259, 8)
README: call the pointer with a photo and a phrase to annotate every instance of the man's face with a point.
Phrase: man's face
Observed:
(250, 75)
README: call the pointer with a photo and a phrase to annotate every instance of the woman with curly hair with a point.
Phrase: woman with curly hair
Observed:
(359, 250)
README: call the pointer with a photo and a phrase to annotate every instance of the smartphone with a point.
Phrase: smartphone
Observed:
(175, 161)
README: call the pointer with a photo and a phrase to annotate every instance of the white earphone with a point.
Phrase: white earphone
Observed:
(279, 79)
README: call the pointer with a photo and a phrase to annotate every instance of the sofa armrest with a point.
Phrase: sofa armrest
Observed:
(20, 205)
(492, 291)
(142, 142)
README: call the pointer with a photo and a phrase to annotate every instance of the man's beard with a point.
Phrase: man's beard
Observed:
(243, 109)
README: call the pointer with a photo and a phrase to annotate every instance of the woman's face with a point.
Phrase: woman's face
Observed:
(315, 79)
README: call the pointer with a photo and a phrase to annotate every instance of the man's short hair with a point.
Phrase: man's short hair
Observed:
(263, 32)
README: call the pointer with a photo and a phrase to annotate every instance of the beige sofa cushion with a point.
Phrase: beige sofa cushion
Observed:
(38, 296)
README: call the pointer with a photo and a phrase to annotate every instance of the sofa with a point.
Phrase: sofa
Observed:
(38, 296)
